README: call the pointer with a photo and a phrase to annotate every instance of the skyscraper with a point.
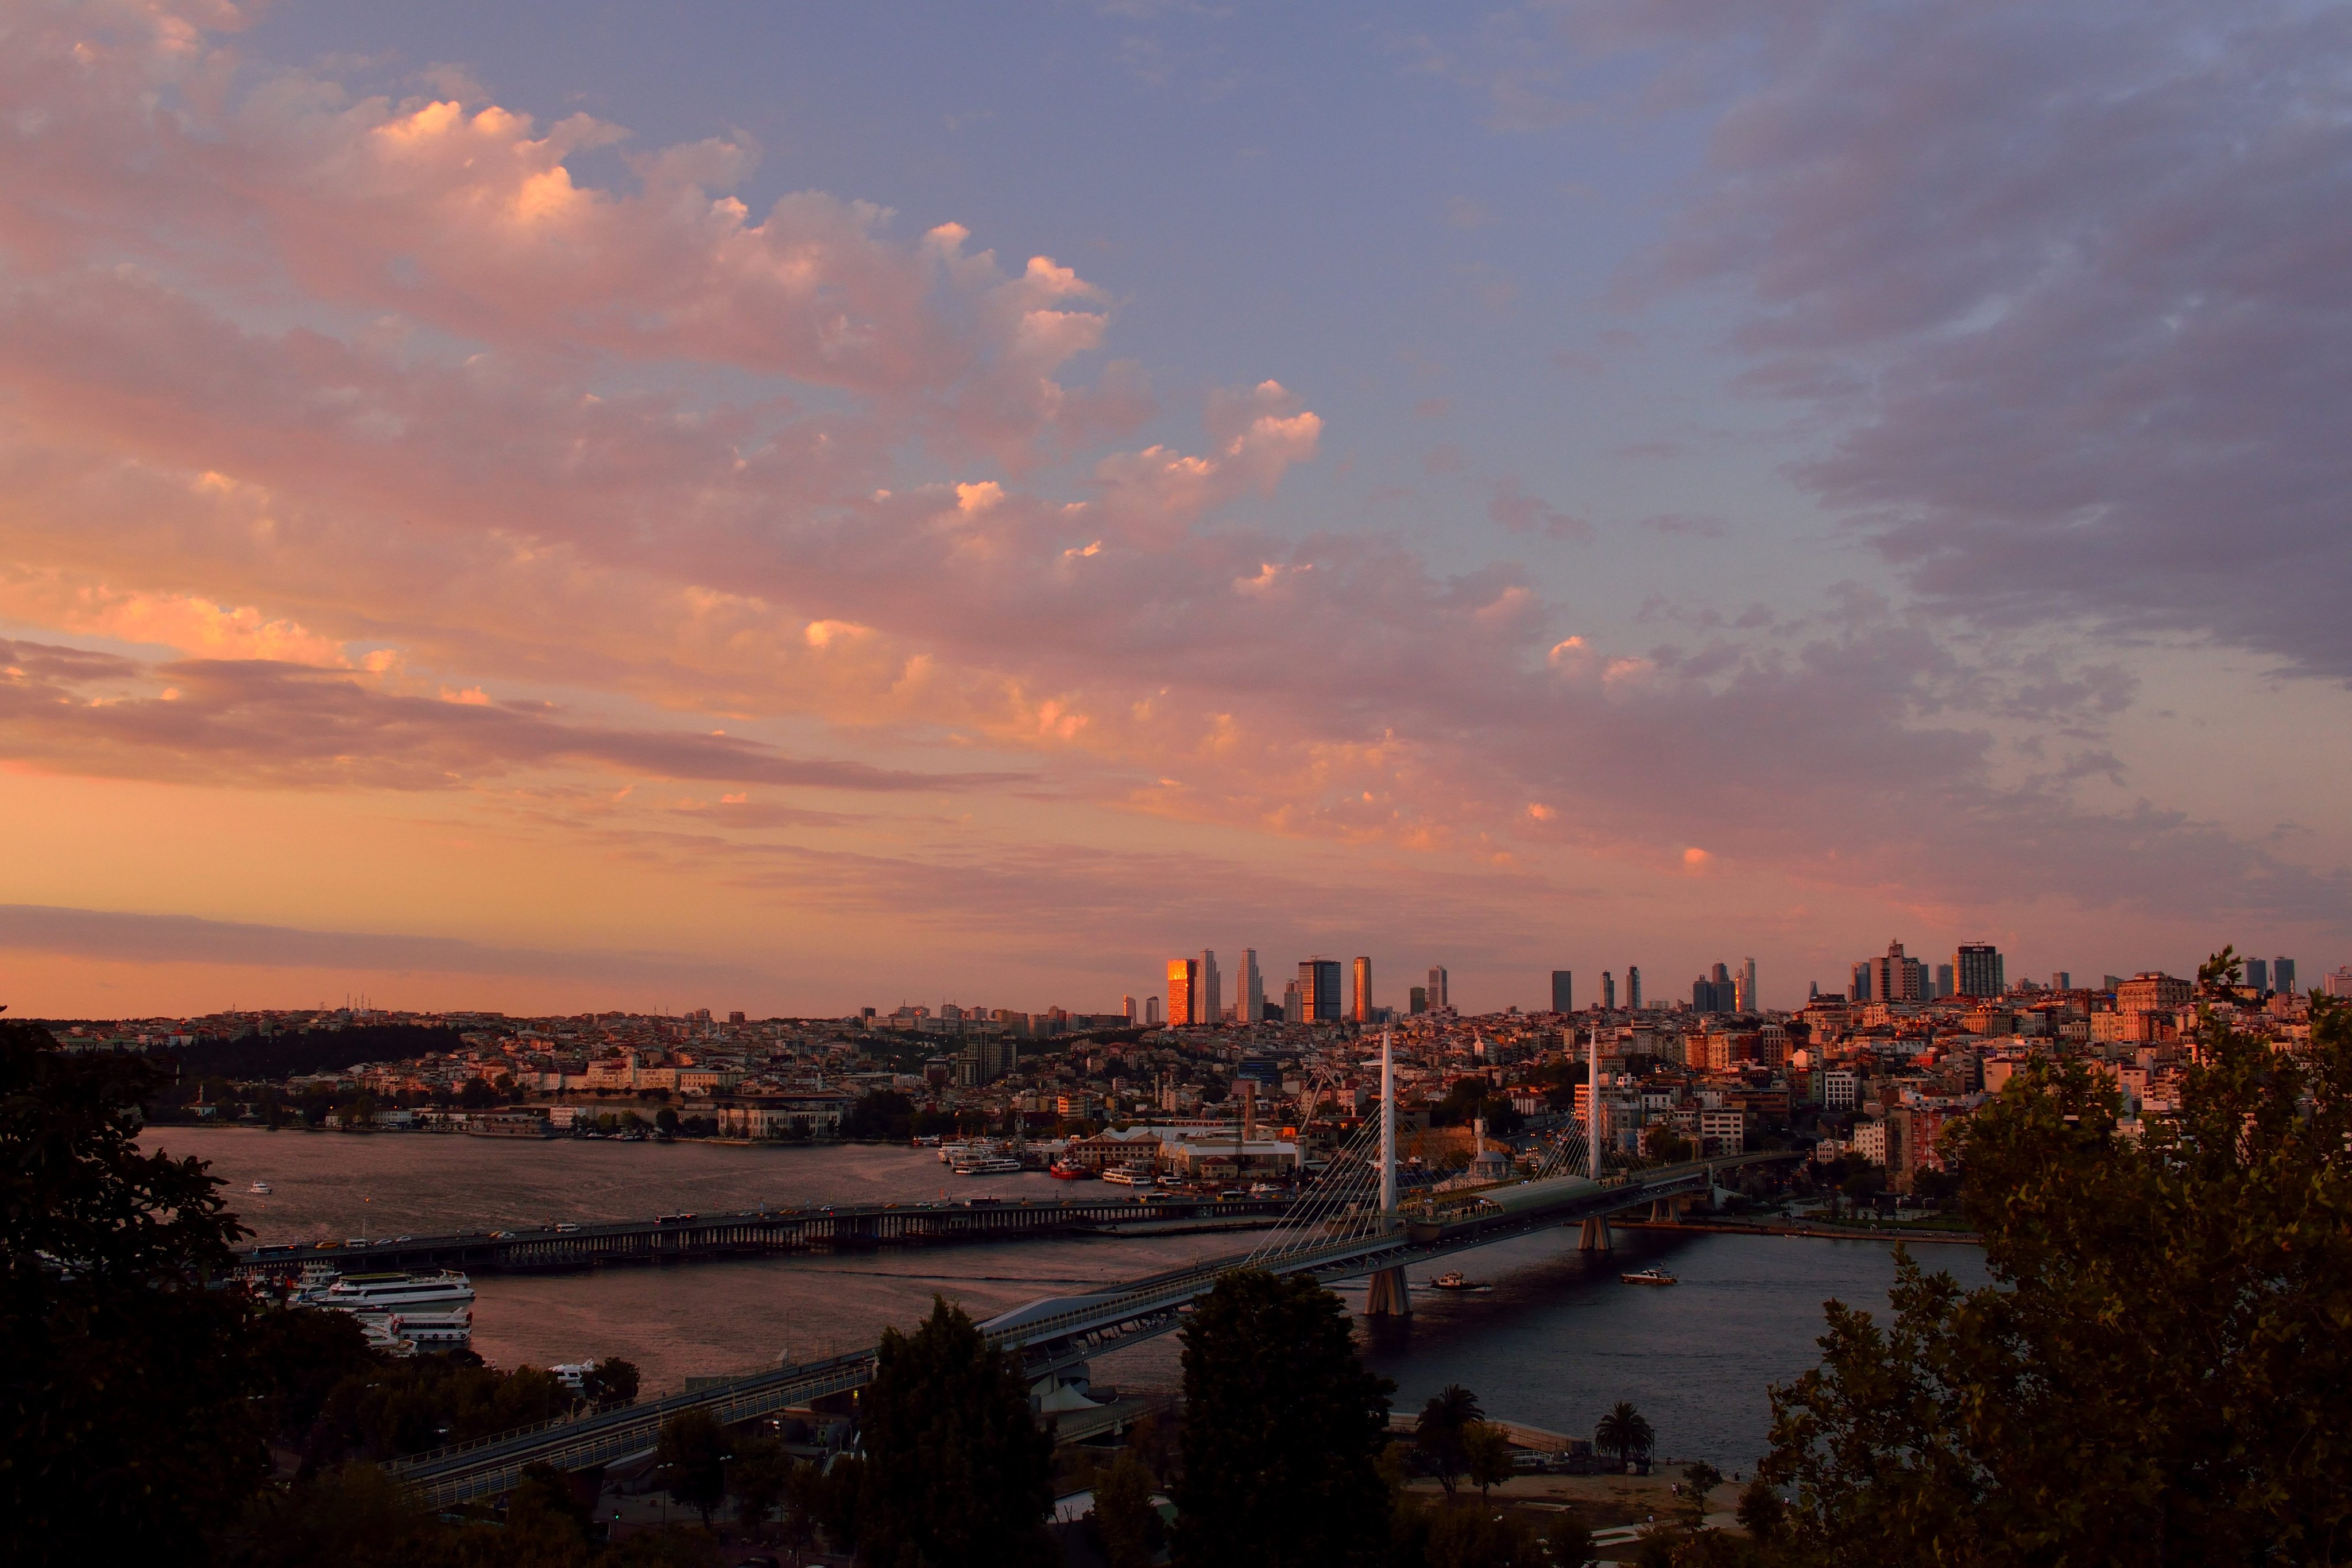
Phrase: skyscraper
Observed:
(1318, 990)
(1183, 983)
(1748, 999)
(1151, 1012)
(1292, 1009)
(1438, 1001)
(1253, 989)
(1563, 992)
(1978, 968)
(1633, 987)
(1418, 1000)
(1898, 979)
(2283, 976)
(1945, 984)
(1362, 1011)
(1127, 1006)
(2059, 980)
(2258, 974)
(1608, 991)
(1858, 989)
(1208, 1006)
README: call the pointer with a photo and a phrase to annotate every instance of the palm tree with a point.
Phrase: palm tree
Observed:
(1438, 1432)
(1624, 1433)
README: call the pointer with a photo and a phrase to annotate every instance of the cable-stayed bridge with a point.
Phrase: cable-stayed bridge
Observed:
(1350, 1224)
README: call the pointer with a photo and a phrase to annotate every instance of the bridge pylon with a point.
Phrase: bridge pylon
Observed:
(1595, 1236)
(1386, 1298)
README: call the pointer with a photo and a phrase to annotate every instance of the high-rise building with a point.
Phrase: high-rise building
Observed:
(2338, 982)
(1184, 991)
(1318, 990)
(1208, 1005)
(1706, 996)
(2283, 976)
(1253, 989)
(1748, 1002)
(1438, 999)
(1293, 1010)
(2258, 974)
(1896, 978)
(1977, 965)
(1362, 1011)
(1944, 981)
(1151, 1012)
(1858, 989)
(2059, 980)
(1563, 992)
(1418, 999)
(1633, 987)
(1127, 1006)
(1608, 992)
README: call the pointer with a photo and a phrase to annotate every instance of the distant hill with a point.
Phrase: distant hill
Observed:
(297, 1051)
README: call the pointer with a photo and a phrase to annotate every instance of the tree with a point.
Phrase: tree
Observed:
(1699, 1477)
(1569, 1539)
(1474, 1538)
(2157, 1374)
(1283, 1430)
(759, 1477)
(1624, 1432)
(611, 1381)
(1128, 1527)
(957, 1469)
(690, 1460)
(129, 1409)
(665, 1121)
(1761, 1510)
(1438, 1432)
(1487, 1454)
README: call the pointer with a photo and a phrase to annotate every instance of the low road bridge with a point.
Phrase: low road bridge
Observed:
(683, 1237)
(1059, 1332)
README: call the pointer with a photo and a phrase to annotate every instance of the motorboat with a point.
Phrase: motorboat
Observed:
(1453, 1280)
(1062, 1170)
(1648, 1276)
(260, 1187)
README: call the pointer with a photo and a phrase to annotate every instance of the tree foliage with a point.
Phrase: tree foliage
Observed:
(126, 1404)
(2158, 1371)
(691, 1460)
(1283, 1430)
(1624, 1432)
(1128, 1529)
(1440, 1431)
(957, 1469)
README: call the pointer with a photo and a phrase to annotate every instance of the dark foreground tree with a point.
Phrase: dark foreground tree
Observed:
(957, 1469)
(691, 1460)
(2158, 1374)
(1126, 1527)
(1283, 1431)
(1624, 1432)
(1440, 1431)
(128, 1400)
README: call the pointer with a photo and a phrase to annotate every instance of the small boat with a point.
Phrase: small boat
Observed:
(262, 1187)
(1453, 1279)
(1648, 1276)
(1062, 1170)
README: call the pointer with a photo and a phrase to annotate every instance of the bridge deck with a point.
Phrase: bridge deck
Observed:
(1054, 1331)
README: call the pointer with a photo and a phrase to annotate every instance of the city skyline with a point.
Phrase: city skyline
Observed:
(514, 512)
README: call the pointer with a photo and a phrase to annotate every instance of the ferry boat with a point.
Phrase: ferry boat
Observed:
(438, 1292)
(986, 1164)
(1120, 1176)
(1453, 1280)
(262, 1187)
(437, 1329)
(1063, 1170)
(1647, 1277)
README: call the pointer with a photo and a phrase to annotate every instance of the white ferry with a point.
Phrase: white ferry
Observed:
(1120, 1176)
(986, 1164)
(445, 1291)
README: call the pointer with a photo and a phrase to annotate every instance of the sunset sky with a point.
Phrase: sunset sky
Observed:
(792, 506)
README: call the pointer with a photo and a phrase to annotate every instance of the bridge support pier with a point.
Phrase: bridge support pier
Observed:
(1594, 1238)
(1387, 1297)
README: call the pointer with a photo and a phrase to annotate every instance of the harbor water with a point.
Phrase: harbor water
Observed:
(1553, 1343)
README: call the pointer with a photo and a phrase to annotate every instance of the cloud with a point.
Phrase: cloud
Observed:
(1521, 513)
(124, 937)
(2074, 283)
(262, 723)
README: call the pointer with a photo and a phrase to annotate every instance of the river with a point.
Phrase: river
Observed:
(1554, 1343)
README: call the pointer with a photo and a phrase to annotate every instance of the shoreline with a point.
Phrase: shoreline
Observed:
(1856, 1233)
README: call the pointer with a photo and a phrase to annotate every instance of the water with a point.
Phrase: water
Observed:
(1556, 1341)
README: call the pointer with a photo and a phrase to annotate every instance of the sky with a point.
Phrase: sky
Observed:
(793, 508)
